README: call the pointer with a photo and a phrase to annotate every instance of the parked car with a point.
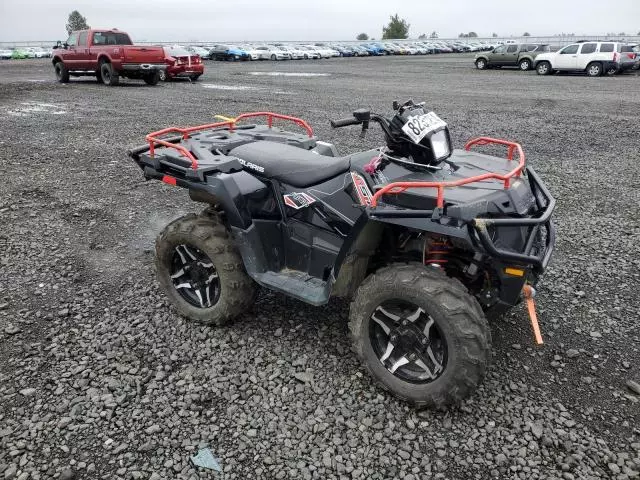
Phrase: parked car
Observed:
(19, 54)
(267, 52)
(39, 52)
(630, 57)
(197, 50)
(516, 55)
(294, 52)
(6, 54)
(107, 55)
(310, 52)
(594, 58)
(228, 52)
(181, 64)
(253, 53)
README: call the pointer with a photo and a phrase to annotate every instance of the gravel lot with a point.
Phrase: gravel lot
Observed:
(100, 379)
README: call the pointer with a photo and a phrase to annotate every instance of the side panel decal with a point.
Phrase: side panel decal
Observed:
(361, 188)
(298, 200)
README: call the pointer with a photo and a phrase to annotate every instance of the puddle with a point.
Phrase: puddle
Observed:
(226, 87)
(289, 74)
(33, 108)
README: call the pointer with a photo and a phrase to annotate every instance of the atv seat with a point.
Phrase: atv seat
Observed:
(291, 165)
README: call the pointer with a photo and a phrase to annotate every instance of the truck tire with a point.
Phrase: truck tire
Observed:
(543, 68)
(62, 74)
(109, 76)
(420, 334)
(481, 64)
(152, 78)
(525, 64)
(200, 270)
(594, 69)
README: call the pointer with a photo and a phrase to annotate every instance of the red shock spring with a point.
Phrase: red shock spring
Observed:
(437, 252)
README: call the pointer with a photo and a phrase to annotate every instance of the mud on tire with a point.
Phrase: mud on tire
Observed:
(206, 233)
(457, 315)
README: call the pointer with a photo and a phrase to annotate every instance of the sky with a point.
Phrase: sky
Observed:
(253, 20)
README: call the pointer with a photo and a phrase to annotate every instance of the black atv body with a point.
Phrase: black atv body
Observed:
(312, 224)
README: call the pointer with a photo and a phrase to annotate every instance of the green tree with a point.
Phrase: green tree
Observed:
(76, 22)
(422, 37)
(434, 34)
(472, 35)
(526, 34)
(362, 36)
(494, 35)
(397, 28)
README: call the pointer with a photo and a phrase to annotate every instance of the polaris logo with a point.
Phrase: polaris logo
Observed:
(252, 166)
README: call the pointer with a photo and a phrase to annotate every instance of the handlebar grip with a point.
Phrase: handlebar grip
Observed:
(345, 122)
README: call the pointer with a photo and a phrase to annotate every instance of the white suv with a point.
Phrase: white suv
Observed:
(594, 58)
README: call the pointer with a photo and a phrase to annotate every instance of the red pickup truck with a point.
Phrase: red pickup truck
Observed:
(107, 55)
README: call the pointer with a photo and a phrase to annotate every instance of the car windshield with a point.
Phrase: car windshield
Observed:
(177, 52)
(234, 47)
(111, 38)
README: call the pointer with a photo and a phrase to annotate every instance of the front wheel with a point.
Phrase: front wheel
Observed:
(62, 74)
(162, 75)
(543, 68)
(195, 77)
(420, 334)
(273, 57)
(200, 270)
(481, 64)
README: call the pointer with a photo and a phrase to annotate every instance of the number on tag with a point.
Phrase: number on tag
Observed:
(419, 126)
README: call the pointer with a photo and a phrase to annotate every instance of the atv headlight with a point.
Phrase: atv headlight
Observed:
(440, 145)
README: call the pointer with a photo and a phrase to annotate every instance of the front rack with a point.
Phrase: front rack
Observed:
(153, 139)
(513, 147)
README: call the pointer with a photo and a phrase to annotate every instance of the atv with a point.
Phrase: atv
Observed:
(426, 242)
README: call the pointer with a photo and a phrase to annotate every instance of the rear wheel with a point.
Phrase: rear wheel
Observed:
(481, 64)
(420, 334)
(162, 75)
(109, 76)
(594, 69)
(152, 78)
(194, 78)
(201, 271)
(543, 68)
(525, 64)
(62, 74)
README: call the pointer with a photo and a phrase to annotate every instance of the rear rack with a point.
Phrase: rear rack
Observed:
(513, 147)
(153, 139)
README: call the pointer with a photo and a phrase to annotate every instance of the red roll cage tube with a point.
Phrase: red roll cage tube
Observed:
(153, 139)
(399, 187)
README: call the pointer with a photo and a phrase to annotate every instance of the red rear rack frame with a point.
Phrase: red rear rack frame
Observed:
(513, 147)
(153, 139)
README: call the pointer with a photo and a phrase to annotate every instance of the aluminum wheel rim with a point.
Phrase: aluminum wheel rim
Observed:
(524, 66)
(593, 70)
(408, 342)
(194, 276)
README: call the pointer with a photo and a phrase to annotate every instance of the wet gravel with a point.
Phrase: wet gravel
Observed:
(101, 379)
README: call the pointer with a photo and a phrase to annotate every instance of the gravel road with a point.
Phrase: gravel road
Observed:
(101, 379)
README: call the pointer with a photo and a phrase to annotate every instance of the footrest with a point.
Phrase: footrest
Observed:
(296, 284)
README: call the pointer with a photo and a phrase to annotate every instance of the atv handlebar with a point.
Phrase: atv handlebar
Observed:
(345, 122)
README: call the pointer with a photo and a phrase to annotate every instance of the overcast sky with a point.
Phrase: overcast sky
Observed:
(237, 20)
